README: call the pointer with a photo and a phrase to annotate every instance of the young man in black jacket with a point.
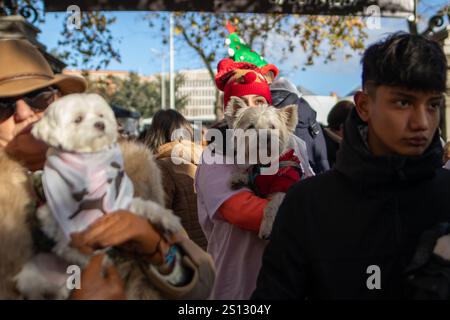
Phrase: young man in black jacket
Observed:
(350, 233)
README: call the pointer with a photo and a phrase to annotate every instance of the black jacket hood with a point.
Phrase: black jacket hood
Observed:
(355, 161)
(306, 113)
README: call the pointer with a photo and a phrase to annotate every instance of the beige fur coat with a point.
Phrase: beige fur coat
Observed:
(17, 201)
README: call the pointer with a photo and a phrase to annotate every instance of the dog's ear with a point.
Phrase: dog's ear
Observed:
(46, 130)
(232, 107)
(289, 116)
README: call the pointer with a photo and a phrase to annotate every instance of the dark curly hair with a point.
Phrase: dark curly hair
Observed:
(339, 113)
(406, 60)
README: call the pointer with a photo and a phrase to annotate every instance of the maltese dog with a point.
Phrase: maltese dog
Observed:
(83, 179)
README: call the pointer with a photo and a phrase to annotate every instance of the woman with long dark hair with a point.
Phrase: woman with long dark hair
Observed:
(171, 139)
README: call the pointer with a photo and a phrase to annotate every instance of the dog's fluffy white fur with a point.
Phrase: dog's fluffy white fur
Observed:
(79, 123)
(280, 124)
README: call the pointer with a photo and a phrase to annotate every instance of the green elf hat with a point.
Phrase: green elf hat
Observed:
(239, 51)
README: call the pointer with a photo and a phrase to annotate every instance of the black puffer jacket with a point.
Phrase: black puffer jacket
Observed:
(307, 128)
(367, 211)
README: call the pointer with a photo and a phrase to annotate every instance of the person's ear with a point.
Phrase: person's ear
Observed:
(362, 105)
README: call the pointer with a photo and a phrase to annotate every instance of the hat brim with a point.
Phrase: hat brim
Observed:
(65, 83)
(269, 68)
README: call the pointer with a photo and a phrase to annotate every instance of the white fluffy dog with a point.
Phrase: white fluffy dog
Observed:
(78, 123)
(83, 179)
(278, 125)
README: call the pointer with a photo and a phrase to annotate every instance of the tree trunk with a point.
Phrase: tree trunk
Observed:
(218, 106)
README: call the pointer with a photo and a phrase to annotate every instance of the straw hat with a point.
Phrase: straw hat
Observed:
(24, 69)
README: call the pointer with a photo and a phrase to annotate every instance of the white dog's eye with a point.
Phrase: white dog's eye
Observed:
(272, 127)
(78, 119)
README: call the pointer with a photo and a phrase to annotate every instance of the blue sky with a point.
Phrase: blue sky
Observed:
(135, 40)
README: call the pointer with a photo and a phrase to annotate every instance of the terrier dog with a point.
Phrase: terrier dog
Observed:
(83, 179)
(277, 126)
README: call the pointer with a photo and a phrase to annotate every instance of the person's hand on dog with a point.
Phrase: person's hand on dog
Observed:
(99, 283)
(442, 247)
(125, 229)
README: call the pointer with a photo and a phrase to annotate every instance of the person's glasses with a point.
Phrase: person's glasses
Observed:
(37, 100)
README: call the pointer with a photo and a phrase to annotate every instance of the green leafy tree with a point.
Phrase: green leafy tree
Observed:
(180, 100)
(93, 42)
(318, 36)
(206, 33)
(132, 93)
(93, 45)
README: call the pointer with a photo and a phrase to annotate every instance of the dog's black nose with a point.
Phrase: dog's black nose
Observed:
(100, 126)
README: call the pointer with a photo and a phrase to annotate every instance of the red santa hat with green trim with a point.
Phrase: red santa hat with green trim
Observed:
(238, 83)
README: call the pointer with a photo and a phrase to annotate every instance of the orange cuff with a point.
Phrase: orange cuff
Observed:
(244, 210)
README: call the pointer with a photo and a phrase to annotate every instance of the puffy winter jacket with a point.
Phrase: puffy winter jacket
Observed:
(351, 232)
(307, 128)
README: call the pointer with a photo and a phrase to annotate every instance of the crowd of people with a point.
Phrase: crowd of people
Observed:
(367, 192)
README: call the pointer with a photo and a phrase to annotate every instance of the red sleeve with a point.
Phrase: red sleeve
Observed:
(244, 210)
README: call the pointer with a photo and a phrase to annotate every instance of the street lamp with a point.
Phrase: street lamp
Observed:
(171, 66)
(162, 56)
(172, 63)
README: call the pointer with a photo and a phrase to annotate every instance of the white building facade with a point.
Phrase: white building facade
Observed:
(200, 90)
